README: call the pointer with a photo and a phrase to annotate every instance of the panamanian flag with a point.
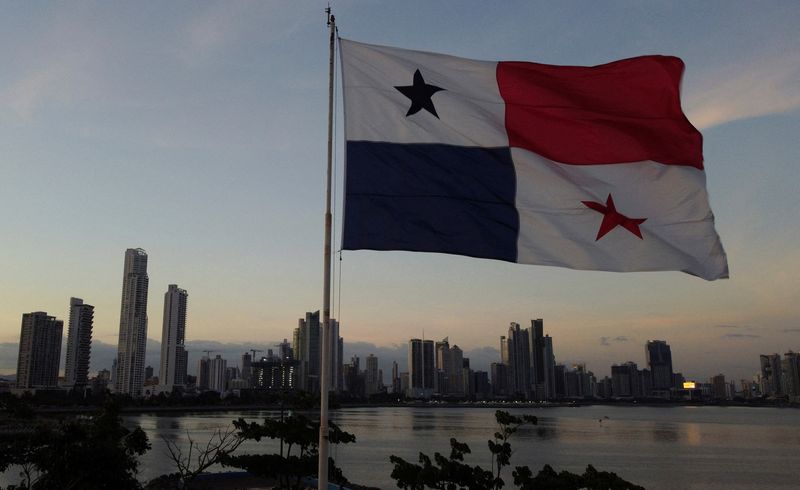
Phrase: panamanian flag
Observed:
(593, 168)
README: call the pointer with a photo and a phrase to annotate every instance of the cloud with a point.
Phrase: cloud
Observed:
(606, 341)
(740, 336)
(791, 330)
(61, 75)
(732, 327)
(749, 89)
(219, 25)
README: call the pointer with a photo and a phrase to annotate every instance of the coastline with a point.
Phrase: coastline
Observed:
(132, 410)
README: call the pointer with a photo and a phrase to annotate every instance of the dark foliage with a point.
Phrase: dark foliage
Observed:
(297, 433)
(452, 473)
(96, 453)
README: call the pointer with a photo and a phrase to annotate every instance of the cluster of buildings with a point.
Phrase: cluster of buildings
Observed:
(40, 340)
(527, 368)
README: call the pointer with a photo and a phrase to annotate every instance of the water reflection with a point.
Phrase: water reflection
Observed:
(664, 432)
(654, 447)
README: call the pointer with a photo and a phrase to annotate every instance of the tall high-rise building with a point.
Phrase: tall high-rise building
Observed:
(334, 358)
(559, 375)
(203, 373)
(421, 368)
(173, 334)
(626, 380)
(549, 369)
(353, 378)
(285, 351)
(455, 371)
(132, 324)
(395, 378)
(538, 360)
(307, 349)
(500, 377)
(659, 361)
(79, 343)
(719, 388)
(372, 381)
(771, 374)
(443, 362)
(217, 374)
(247, 371)
(504, 354)
(39, 350)
(519, 360)
(790, 374)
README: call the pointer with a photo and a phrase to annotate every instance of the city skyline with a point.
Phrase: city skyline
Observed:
(528, 362)
(200, 138)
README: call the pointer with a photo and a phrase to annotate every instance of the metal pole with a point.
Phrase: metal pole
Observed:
(322, 474)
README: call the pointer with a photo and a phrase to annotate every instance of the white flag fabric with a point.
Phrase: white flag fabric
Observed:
(591, 168)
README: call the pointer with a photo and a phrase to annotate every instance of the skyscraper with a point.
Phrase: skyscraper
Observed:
(372, 380)
(790, 375)
(659, 360)
(132, 324)
(39, 350)
(421, 368)
(79, 343)
(173, 333)
(334, 358)
(217, 374)
(203, 373)
(519, 361)
(538, 359)
(455, 371)
(247, 369)
(500, 377)
(771, 374)
(549, 369)
(626, 380)
(307, 350)
(443, 362)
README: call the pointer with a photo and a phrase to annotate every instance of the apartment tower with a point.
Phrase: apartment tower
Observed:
(132, 324)
(39, 350)
(174, 357)
(79, 343)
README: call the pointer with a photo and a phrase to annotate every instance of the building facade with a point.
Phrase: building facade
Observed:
(421, 368)
(129, 377)
(217, 374)
(538, 360)
(79, 343)
(519, 361)
(306, 346)
(659, 362)
(371, 379)
(39, 351)
(174, 357)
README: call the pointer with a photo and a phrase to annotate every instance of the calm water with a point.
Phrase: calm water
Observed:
(664, 447)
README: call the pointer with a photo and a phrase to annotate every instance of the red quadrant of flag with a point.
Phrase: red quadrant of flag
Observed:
(620, 112)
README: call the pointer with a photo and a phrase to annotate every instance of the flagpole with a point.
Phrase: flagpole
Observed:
(322, 473)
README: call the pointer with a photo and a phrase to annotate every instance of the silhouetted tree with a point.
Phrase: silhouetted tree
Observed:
(452, 473)
(98, 453)
(296, 432)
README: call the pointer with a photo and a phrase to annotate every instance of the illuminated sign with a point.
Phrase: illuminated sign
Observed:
(689, 385)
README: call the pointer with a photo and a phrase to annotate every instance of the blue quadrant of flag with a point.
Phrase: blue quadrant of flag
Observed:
(465, 194)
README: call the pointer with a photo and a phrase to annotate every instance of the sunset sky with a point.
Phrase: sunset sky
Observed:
(197, 131)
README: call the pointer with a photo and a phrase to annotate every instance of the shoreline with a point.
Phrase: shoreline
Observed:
(132, 410)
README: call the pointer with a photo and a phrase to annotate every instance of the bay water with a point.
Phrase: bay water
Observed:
(656, 447)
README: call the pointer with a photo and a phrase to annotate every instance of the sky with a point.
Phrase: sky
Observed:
(197, 131)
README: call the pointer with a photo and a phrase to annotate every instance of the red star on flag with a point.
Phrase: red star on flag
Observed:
(613, 218)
